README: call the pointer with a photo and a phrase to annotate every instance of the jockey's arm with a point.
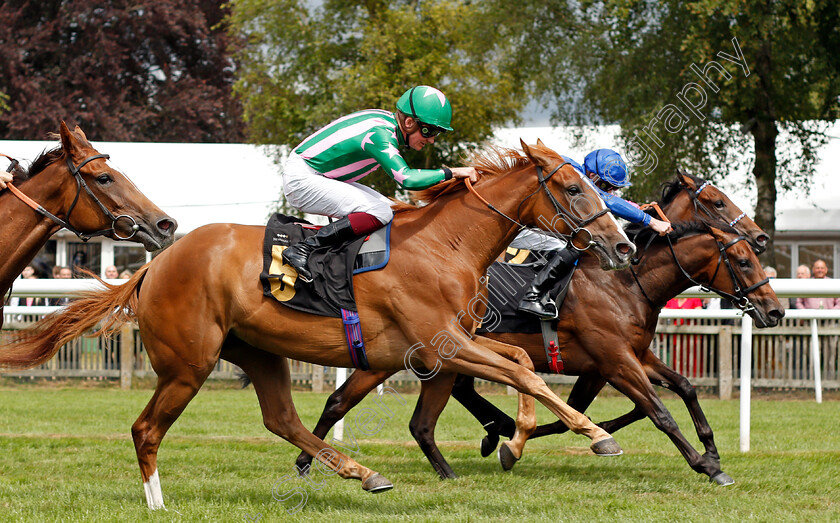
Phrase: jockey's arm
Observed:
(388, 156)
(624, 209)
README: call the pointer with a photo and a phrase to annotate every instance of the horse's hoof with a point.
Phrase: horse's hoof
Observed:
(489, 444)
(722, 479)
(506, 457)
(377, 483)
(607, 447)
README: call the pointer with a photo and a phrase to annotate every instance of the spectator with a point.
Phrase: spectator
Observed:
(79, 263)
(685, 356)
(64, 273)
(126, 274)
(803, 272)
(772, 273)
(55, 271)
(818, 271)
(111, 272)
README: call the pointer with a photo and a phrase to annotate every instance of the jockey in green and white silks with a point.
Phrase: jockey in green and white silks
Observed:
(607, 172)
(321, 174)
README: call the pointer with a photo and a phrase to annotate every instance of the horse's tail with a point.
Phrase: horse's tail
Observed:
(35, 345)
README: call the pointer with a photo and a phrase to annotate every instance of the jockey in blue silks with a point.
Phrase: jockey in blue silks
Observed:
(608, 173)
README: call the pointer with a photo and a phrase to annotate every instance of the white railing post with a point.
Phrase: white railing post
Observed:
(746, 374)
(815, 357)
(340, 378)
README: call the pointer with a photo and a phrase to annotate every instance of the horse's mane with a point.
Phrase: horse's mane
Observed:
(39, 164)
(672, 189)
(643, 235)
(489, 161)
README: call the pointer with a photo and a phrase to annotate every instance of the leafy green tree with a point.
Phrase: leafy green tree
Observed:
(303, 66)
(695, 83)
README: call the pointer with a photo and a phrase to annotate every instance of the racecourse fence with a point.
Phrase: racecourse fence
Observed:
(706, 351)
(704, 346)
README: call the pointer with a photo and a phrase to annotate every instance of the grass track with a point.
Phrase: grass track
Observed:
(66, 455)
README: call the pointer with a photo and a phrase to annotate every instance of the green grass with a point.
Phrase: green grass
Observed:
(66, 455)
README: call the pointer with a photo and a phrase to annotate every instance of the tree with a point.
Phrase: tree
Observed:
(691, 83)
(304, 66)
(156, 71)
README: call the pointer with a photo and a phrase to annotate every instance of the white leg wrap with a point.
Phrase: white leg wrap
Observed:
(154, 496)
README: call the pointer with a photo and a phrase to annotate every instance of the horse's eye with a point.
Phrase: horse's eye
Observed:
(574, 189)
(104, 179)
(743, 263)
(719, 204)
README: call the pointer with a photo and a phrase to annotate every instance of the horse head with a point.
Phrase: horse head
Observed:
(111, 204)
(739, 275)
(568, 205)
(707, 199)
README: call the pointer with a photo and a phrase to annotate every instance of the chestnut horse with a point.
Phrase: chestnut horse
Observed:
(613, 355)
(111, 205)
(201, 299)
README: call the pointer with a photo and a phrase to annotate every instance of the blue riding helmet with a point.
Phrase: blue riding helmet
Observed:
(608, 165)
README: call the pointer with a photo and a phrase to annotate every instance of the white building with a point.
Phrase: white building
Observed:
(204, 183)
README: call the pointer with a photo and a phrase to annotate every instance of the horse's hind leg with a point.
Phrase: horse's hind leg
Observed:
(177, 384)
(272, 382)
(584, 391)
(351, 392)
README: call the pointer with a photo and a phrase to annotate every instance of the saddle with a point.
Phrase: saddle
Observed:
(331, 289)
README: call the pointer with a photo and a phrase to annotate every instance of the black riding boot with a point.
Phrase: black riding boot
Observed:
(333, 233)
(536, 299)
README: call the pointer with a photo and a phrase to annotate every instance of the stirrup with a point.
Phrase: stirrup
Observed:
(537, 308)
(303, 271)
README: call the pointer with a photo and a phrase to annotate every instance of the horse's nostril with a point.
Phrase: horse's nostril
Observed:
(777, 314)
(762, 239)
(625, 249)
(167, 225)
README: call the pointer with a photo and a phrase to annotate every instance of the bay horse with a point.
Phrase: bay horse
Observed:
(201, 299)
(48, 196)
(609, 346)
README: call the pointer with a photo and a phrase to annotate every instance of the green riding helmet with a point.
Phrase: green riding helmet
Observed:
(427, 105)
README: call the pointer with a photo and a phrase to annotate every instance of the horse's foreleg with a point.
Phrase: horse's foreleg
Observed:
(631, 380)
(476, 360)
(584, 391)
(351, 392)
(494, 421)
(671, 379)
(434, 395)
(272, 382)
(526, 414)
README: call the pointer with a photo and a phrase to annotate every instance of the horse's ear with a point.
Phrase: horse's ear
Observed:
(68, 141)
(540, 143)
(80, 132)
(717, 233)
(685, 179)
(535, 156)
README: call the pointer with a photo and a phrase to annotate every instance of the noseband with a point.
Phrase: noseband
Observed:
(575, 224)
(698, 204)
(75, 171)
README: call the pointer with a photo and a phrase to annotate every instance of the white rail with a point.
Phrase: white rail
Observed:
(784, 288)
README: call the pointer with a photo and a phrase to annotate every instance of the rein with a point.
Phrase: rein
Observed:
(75, 171)
(575, 224)
(739, 298)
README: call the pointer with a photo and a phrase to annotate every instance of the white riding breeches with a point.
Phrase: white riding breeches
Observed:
(309, 191)
(537, 240)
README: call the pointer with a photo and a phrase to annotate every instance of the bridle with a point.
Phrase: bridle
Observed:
(575, 224)
(694, 195)
(75, 171)
(738, 298)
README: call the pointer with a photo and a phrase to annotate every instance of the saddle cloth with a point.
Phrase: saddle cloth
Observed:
(507, 283)
(332, 268)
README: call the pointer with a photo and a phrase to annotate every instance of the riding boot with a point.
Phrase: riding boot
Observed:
(333, 233)
(536, 299)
